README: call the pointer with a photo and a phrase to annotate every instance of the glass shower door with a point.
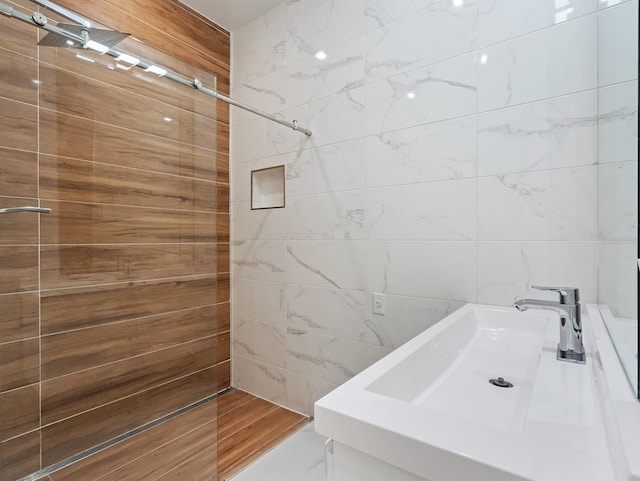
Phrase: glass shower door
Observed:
(108, 326)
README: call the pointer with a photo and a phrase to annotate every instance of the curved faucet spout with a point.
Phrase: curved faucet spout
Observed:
(524, 304)
(570, 347)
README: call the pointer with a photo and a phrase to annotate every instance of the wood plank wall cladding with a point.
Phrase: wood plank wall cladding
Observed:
(114, 309)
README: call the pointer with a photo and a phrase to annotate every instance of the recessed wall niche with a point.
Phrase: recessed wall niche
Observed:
(267, 188)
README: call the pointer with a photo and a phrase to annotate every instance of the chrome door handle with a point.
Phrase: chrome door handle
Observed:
(41, 210)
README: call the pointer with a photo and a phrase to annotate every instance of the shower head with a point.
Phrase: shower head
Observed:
(103, 36)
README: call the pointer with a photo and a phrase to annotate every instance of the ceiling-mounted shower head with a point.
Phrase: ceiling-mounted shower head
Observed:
(105, 37)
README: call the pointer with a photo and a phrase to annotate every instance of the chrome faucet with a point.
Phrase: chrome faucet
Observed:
(570, 347)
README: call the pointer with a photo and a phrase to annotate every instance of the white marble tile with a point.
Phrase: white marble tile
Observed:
(259, 341)
(241, 176)
(327, 358)
(334, 119)
(404, 318)
(438, 151)
(429, 211)
(618, 201)
(441, 30)
(500, 20)
(247, 224)
(314, 25)
(618, 277)
(618, 123)
(329, 168)
(602, 4)
(555, 61)
(333, 264)
(334, 215)
(336, 312)
(311, 78)
(258, 300)
(266, 93)
(618, 44)
(548, 205)
(262, 380)
(303, 392)
(438, 270)
(260, 260)
(259, 57)
(507, 270)
(428, 94)
(261, 138)
(298, 458)
(548, 134)
(269, 21)
(378, 13)
(373, 354)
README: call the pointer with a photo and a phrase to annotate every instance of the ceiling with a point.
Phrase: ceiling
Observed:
(231, 14)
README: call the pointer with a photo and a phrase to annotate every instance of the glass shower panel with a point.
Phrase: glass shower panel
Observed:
(108, 326)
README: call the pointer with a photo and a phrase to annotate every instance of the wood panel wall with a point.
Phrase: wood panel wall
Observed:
(115, 307)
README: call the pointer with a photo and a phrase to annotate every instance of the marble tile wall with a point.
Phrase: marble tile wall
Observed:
(462, 151)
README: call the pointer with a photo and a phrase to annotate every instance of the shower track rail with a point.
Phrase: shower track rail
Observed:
(40, 21)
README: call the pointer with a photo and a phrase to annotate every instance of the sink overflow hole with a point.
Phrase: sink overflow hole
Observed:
(500, 382)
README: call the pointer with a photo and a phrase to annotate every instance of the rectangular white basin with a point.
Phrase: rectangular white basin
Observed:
(429, 409)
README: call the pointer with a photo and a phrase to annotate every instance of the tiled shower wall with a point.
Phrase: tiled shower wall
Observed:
(456, 155)
(113, 308)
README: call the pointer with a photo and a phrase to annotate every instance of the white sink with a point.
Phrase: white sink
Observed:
(428, 407)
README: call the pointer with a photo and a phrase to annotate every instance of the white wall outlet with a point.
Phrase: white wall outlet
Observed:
(378, 303)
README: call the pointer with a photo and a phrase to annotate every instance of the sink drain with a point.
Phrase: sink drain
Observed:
(500, 382)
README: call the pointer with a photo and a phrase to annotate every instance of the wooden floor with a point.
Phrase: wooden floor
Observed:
(184, 448)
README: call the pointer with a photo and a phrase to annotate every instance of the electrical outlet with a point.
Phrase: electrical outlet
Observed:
(378, 303)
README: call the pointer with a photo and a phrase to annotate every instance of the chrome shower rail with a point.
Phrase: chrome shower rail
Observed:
(41, 210)
(40, 21)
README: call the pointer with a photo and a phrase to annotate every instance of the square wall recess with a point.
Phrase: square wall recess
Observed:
(267, 188)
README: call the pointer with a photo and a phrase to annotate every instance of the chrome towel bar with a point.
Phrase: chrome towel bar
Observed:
(41, 210)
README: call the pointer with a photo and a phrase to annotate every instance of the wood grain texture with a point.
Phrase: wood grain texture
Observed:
(19, 316)
(224, 316)
(224, 287)
(124, 293)
(223, 257)
(19, 411)
(222, 164)
(223, 198)
(71, 266)
(240, 448)
(18, 36)
(119, 146)
(223, 376)
(184, 447)
(18, 125)
(78, 392)
(19, 364)
(91, 347)
(138, 82)
(18, 227)
(20, 456)
(76, 434)
(17, 77)
(66, 309)
(67, 179)
(170, 458)
(115, 224)
(102, 464)
(73, 94)
(18, 176)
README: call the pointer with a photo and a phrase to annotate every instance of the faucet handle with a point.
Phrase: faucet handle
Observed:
(568, 295)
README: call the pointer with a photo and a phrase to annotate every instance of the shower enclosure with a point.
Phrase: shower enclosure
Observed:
(110, 346)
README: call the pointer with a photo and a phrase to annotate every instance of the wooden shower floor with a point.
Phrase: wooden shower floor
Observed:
(245, 428)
